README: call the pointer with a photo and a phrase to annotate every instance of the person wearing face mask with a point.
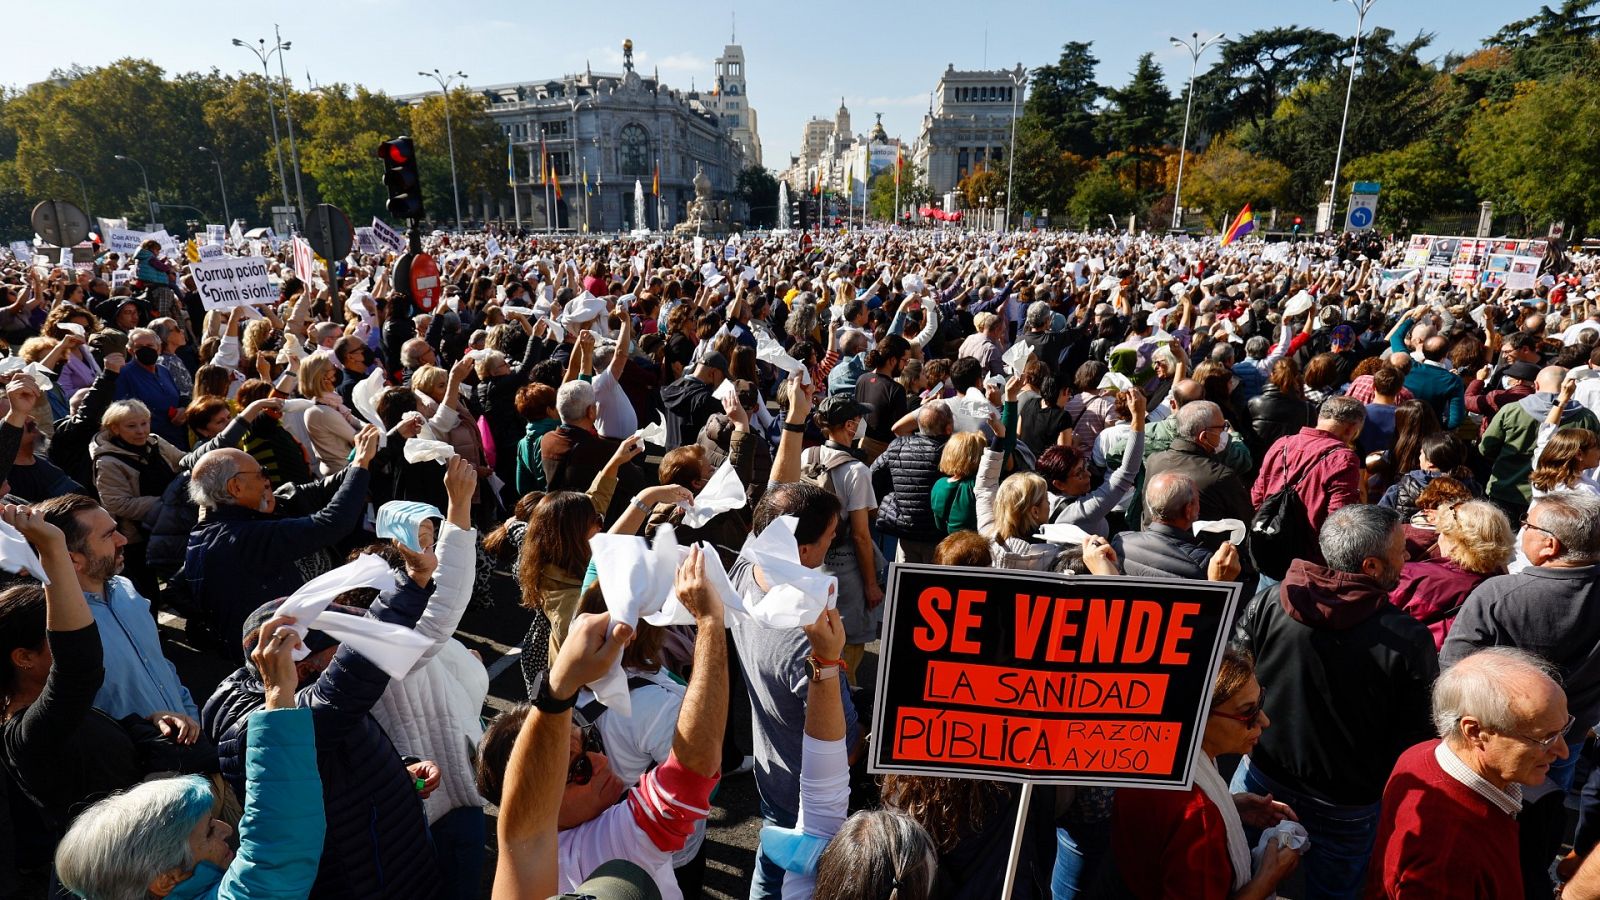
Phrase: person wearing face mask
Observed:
(152, 384)
(1349, 677)
(1200, 439)
(853, 556)
(357, 359)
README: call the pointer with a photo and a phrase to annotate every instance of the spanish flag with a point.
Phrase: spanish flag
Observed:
(816, 189)
(544, 162)
(1242, 225)
(899, 163)
(655, 183)
(511, 164)
(586, 180)
(554, 179)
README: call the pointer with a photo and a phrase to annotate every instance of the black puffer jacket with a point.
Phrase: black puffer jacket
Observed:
(903, 478)
(377, 843)
(1274, 414)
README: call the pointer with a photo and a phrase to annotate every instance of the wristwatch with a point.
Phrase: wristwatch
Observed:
(544, 700)
(822, 669)
(796, 427)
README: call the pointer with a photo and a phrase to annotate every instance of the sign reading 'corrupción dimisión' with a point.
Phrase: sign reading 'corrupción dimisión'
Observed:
(231, 281)
(1053, 679)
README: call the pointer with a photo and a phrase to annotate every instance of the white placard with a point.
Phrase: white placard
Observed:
(169, 244)
(21, 252)
(232, 281)
(119, 277)
(367, 241)
(123, 242)
(209, 251)
(216, 234)
(389, 237)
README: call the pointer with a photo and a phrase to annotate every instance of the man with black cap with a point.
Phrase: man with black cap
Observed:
(377, 842)
(689, 401)
(1518, 379)
(852, 557)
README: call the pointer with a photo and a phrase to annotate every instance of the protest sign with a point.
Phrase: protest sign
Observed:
(169, 244)
(388, 236)
(119, 278)
(216, 234)
(231, 281)
(22, 252)
(1046, 679)
(367, 241)
(209, 251)
(123, 242)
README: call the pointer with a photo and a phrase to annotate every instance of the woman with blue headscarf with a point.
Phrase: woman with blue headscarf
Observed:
(160, 839)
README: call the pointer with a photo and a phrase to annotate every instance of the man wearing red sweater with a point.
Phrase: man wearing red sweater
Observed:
(1319, 462)
(1449, 825)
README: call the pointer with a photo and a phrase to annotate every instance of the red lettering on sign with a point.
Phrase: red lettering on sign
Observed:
(929, 604)
(966, 620)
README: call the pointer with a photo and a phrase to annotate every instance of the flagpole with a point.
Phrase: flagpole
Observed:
(516, 198)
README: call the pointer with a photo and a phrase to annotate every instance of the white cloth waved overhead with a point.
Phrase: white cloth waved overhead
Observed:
(392, 648)
(798, 593)
(16, 555)
(723, 491)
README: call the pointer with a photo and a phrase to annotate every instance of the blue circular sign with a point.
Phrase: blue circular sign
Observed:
(1361, 217)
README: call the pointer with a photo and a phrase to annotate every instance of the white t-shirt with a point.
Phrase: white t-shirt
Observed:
(853, 482)
(615, 417)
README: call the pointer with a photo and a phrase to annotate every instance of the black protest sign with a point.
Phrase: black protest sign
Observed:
(1054, 679)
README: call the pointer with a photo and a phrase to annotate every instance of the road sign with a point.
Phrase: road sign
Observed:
(1363, 209)
(425, 286)
(60, 222)
(329, 232)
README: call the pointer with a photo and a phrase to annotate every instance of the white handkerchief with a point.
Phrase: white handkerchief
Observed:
(771, 352)
(724, 390)
(392, 648)
(635, 581)
(1016, 359)
(421, 449)
(1116, 381)
(71, 328)
(723, 491)
(653, 433)
(17, 556)
(1064, 533)
(798, 594)
(365, 397)
(1233, 528)
(12, 364)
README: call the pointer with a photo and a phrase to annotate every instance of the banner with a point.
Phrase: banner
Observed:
(389, 237)
(216, 234)
(367, 241)
(1044, 678)
(231, 281)
(123, 242)
(305, 262)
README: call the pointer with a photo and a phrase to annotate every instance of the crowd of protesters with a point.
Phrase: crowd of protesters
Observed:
(321, 486)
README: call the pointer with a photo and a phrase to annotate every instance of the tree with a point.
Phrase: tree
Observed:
(1046, 174)
(1139, 118)
(1226, 177)
(758, 188)
(1527, 155)
(1099, 194)
(480, 150)
(1062, 100)
(339, 143)
(241, 135)
(914, 191)
(980, 184)
(1257, 70)
(1420, 179)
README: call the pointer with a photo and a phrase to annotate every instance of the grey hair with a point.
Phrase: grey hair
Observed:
(208, 480)
(1039, 314)
(1257, 347)
(116, 847)
(852, 343)
(135, 335)
(1222, 353)
(1194, 418)
(1169, 496)
(574, 400)
(603, 352)
(1355, 534)
(1574, 520)
(802, 321)
(934, 419)
(1477, 686)
(485, 361)
(411, 352)
(1343, 410)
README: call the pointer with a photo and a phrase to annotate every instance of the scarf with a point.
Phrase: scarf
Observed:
(1209, 780)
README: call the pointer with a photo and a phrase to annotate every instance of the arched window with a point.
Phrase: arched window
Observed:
(634, 151)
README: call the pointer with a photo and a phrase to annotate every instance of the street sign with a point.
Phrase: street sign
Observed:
(1363, 208)
(425, 285)
(60, 222)
(329, 232)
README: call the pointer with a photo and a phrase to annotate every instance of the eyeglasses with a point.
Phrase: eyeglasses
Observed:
(1545, 744)
(1249, 719)
(1526, 524)
(581, 768)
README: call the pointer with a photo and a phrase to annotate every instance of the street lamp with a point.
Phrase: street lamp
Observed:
(1018, 78)
(264, 54)
(288, 119)
(143, 174)
(1195, 47)
(85, 191)
(449, 134)
(1362, 6)
(221, 188)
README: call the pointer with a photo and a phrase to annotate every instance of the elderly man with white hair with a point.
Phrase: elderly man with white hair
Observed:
(575, 453)
(1450, 807)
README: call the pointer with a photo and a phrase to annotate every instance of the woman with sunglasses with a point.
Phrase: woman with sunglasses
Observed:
(1177, 844)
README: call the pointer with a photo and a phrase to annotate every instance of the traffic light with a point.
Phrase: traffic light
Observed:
(1297, 221)
(400, 178)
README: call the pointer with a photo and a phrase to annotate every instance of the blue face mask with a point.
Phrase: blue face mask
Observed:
(792, 849)
(400, 520)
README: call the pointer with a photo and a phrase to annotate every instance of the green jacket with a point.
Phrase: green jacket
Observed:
(1509, 441)
(529, 475)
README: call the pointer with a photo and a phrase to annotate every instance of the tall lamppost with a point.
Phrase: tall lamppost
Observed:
(449, 134)
(264, 54)
(1195, 47)
(1362, 6)
(1018, 79)
(146, 176)
(221, 187)
(85, 191)
(288, 120)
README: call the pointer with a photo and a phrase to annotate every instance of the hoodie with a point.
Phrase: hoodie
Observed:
(1509, 441)
(688, 403)
(1348, 679)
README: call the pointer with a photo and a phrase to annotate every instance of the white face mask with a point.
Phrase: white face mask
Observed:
(1223, 440)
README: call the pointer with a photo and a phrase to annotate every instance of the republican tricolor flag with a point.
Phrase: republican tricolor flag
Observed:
(1242, 225)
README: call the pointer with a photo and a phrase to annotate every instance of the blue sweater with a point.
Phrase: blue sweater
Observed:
(281, 833)
(1441, 389)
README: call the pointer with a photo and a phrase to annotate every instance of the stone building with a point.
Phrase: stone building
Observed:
(607, 131)
(730, 100)
(968, 124)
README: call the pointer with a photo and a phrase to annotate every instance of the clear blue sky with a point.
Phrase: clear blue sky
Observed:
(801, 57)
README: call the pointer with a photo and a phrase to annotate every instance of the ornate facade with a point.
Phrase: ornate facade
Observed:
(968, 125)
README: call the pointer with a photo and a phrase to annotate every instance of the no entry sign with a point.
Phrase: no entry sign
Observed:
(1052, 679)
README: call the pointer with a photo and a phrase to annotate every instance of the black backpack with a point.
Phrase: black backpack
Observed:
(1281, 529)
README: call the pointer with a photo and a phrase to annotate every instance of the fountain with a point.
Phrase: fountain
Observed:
(783, 206)
(640, 223)
(707, 215)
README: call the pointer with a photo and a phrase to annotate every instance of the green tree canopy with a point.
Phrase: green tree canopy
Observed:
(1533, 155)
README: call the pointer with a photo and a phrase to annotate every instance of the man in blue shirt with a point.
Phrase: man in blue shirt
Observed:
(139, 680)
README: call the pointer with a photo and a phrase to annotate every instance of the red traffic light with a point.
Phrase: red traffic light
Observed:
(1297, 220)
(396, 152)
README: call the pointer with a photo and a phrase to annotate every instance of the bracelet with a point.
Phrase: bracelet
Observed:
(825, 668)
(639, 506)
(795, 427)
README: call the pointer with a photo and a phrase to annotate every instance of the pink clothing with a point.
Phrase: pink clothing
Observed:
(1432, 591)
(1324, 484)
